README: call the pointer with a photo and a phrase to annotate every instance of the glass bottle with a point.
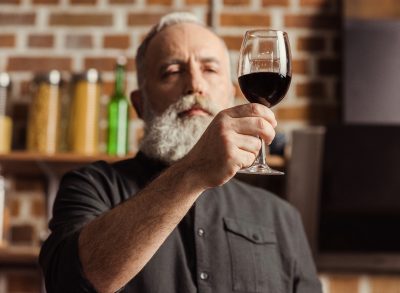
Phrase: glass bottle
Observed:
(118, 114)
(43, 133)
(5, 118)
(84, 114)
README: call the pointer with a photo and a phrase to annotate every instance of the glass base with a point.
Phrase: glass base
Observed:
(261, 170)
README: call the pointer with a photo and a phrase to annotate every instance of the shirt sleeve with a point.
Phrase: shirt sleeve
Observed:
(306, 279)
(83, 195)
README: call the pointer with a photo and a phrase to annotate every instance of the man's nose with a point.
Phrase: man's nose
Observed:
(195, 83)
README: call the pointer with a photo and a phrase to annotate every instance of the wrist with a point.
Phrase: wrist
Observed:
(190, 174)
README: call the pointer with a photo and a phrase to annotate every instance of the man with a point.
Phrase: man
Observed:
(172, 219)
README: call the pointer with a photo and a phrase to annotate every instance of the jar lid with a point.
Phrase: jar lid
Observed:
(5, 79)
(91, 75)
(51, 77)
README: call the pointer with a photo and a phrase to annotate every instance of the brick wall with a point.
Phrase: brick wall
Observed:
(73, 35)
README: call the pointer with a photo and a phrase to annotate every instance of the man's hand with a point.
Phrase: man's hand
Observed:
(231, 142)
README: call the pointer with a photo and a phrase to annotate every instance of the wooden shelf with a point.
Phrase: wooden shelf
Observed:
(28, 163)
(19, 255)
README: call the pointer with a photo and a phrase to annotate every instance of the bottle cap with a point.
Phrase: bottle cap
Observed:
(52, 77)
(91, 75)
(121, 60)
(4, 79)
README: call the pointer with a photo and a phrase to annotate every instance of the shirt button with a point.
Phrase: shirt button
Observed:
(203, 276)
(200, 232)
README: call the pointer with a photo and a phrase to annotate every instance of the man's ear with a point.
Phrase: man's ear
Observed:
(136, 99)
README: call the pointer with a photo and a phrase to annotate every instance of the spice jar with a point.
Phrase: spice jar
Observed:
(5, 119)
(43, 131)
(84, 116)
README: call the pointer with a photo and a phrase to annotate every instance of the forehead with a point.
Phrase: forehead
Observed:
(182, 41)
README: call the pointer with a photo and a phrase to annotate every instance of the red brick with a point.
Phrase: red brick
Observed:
(143, 18)
(78, 41)
(26, 184)
(7, 40)
(106, 63)
(108, 88)
(197, 2)
(311, 90)
(242, 19)
(38, 63)
(236, 2)
(275, 2)
(233, 42)
(116, 41)
(14, 205)
(40, 41)
(11, 19)
(319, 21)
(38, 208)
(317, 3)
(329, 66)
(159, 2)
(84, 2)
(81, 19)
(45, 2)
(315, 114)
(22, 234)
(385, 283)
(300, 66)
(10, 2)
(121, 1)
(27, 281)
(311, 44)
(343, 283)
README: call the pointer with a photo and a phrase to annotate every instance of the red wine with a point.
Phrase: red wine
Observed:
(267, 88)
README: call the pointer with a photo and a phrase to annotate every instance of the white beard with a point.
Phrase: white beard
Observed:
(169, 137)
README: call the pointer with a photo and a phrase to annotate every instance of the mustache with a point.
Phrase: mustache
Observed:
(188, 102)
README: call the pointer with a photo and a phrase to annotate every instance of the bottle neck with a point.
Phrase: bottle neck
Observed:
(119, 81)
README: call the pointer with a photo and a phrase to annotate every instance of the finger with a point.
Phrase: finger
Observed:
(254, 126)
(247, 143)
(252, 110)
(246, 158)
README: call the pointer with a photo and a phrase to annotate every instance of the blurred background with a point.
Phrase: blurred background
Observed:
(341, 96)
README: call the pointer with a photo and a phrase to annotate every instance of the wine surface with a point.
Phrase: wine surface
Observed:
(267, 88)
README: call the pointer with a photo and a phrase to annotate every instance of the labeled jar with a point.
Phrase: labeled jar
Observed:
(84, 116)
(5, 117)
(43, 131)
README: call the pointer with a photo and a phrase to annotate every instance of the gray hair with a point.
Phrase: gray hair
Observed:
(165, 21)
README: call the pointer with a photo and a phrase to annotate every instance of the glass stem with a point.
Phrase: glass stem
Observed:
(263, 154)
(261, 158)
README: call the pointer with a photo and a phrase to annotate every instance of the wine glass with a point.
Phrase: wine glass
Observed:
(264, 77)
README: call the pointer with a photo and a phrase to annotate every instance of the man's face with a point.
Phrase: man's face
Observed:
(186, 59)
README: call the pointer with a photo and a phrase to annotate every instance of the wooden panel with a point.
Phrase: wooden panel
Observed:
(304, 177)
(343, 284)
(385, 284)
(372, 9)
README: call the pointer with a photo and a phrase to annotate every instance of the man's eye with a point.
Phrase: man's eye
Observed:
(170, 72)
(211, 69)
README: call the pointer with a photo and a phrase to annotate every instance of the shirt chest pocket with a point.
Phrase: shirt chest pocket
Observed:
(255, 258)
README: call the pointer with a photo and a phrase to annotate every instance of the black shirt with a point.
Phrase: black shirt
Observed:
(235, 238)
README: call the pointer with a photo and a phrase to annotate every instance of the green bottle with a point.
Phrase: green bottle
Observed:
(118, 114)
